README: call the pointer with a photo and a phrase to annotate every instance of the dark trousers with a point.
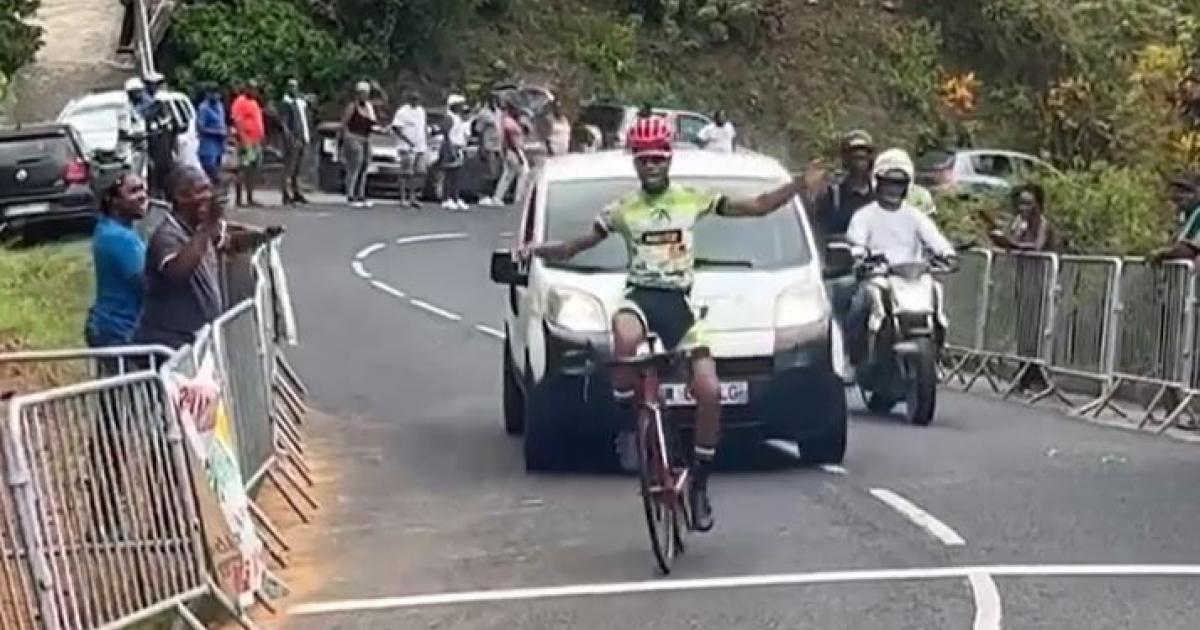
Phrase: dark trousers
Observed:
(289, 182)
(450, 183)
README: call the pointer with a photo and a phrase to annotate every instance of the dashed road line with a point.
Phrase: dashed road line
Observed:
(360, 270)
(390, 290)
(430, 238)
(919, 517)
(835, 469)
(489, 331)
(368, 250)
(436, 310)
(748, 581)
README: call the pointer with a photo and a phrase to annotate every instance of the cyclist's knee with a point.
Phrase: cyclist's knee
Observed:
(627, 333)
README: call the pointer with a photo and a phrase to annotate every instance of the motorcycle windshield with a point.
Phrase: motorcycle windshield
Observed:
(912, 295)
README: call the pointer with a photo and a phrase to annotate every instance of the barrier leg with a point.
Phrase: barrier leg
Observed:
(287, 496)
(299, 488)
(268, 526)
(188, 617)
(241, 618)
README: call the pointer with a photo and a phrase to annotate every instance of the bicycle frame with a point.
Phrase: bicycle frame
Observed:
(652, 429)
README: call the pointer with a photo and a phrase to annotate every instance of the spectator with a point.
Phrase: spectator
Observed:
(1029, 230)
(358, 121)
(210, 124)
(558, 141)
(132, 127)
(849, 191)
(719, 135)
(490, 124)
(452, 154)
(118, 256)
(409, 124)
(1185, 194)
(515, 161)
(162, 131)
(294, 117)
(183, 291)
(247, 115)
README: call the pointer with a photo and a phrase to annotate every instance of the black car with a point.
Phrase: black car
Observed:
(45, 178)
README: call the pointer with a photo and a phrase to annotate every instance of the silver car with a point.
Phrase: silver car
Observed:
(978, 171)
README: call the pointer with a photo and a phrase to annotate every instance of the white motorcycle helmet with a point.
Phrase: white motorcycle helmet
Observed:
(893, 173)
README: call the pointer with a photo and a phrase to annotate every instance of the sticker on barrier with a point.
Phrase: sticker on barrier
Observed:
(240, 559)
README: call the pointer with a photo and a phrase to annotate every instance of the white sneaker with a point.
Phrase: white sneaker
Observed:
(462, 205)
(627, 456)
(367, 203)
(489, 202)
(449, 205)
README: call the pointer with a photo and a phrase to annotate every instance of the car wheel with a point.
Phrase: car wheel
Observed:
(514, 399)
(545, 443)
(829, 446)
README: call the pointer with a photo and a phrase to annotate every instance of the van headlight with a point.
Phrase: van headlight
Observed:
(576, 311)
(800, 312)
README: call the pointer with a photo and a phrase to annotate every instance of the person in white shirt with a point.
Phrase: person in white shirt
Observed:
(559, 140)
(718, 135)
(452, 159)
(409, 124)
(893, 228)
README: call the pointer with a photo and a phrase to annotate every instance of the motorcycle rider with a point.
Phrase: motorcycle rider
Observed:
(893, 228)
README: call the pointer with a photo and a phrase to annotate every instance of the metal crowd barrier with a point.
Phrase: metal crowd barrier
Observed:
(101, 523)
(1098, 333)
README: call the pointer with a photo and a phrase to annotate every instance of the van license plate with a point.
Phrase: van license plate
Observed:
(27, 209)
(732, 393)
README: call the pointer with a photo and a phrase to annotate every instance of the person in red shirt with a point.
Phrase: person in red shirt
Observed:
(247, 115)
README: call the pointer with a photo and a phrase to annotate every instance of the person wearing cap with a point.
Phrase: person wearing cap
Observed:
(247, 115)
(162, 132)
(132, 127)
(1184, 191)
(849, 191)
(294, 116)
(452, 155)
(409, 124)
(358, 122)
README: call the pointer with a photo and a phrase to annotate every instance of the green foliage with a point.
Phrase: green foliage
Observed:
(270, 40)
(910, 66)
(19, 40)
(1109, 209)
(396, 33)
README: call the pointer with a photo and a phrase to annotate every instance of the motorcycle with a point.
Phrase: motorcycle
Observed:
(906, 330)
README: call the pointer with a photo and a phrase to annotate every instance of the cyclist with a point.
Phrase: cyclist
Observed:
(893, 227)
(658, 224)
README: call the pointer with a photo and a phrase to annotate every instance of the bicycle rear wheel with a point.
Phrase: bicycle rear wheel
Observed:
(662, 519)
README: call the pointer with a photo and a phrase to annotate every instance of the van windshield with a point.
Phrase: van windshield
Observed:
(775, 241)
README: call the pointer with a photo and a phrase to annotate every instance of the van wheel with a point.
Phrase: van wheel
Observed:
(514, 399)
(545, 439)
(829, 447)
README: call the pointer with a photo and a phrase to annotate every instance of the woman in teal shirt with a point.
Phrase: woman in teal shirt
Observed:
(118, 255)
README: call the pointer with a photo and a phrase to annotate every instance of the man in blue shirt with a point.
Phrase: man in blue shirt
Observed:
(213, 131)
(118, 255)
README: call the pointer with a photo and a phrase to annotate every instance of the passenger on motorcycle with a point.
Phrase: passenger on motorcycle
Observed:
(657, 224)
(836, 205)
(893, 228)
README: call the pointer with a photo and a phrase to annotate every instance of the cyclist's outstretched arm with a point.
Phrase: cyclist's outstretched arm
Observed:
(565, 250)
(763, 204)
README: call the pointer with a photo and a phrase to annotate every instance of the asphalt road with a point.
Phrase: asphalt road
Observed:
(996, 516)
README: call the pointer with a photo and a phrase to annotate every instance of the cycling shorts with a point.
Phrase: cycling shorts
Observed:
(667, 313)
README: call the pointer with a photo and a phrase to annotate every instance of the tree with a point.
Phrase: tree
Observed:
(19, 40)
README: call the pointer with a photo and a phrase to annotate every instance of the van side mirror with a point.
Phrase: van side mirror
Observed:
(839, 260)
(506, 270)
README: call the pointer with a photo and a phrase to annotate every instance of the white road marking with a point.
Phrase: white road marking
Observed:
(921, 518)
(429, 238)
(747, 581)
(835, 469)
(368, 250)
(987, 602)
(506, 235)
(489, 331)
(360, 270)
(392, 291)
(440, 312)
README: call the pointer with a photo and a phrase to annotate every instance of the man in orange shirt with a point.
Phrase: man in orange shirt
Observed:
(247, 115)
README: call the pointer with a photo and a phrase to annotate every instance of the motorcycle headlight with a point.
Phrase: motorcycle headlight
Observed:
(576, 311)
(800, 313)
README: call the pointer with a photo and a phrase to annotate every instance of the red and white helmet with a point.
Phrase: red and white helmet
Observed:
(650, 137)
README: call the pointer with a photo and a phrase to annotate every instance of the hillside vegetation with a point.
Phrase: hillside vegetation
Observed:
(1102, 88)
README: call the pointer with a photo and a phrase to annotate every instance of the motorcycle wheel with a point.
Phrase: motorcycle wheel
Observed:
(921, 397)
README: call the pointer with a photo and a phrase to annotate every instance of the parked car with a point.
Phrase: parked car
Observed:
(777, 347)
(978, 171)
(44, 178)
(613, 123)
(97, 117)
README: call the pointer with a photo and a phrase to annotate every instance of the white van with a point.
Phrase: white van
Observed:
(778, 349)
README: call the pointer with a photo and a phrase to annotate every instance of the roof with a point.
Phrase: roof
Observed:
(33, 130)
(694, 163)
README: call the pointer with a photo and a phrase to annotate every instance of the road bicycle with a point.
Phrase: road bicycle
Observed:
(663, 474)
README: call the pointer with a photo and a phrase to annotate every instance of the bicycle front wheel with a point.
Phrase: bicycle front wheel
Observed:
(662, 521)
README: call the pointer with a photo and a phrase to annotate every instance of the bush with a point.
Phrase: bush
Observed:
(1109, 210)
(19, 40)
